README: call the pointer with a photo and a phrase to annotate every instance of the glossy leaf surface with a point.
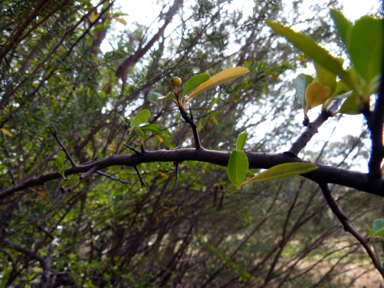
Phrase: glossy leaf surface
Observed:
(350, 105)
(343, 25)
(237, 167)
(301, 83)
(316, 94)
(282, 171)
(152, 128)
(241, 141)
(195, 81)
(218, 79)
(141, 117)
(312, 50)
(365, 46)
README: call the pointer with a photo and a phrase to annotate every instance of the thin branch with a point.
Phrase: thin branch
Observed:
(311, 130)
(347, 226)
(62, 146)
(134, 150)
(46, 192)
(191, 122)
(126, 129)
(113, 178)
(140, 177)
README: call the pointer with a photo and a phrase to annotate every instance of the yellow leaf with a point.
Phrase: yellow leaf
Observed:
(94, 15)
(316, 94)
(6, 132)
(163, 175)
(111, 149)
(218, 79)
(122, 21)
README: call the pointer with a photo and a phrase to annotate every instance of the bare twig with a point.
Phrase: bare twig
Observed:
(191, 122)
(140, 177)
(54, 133)
(126, 129)
(113, 178)
(347, 226)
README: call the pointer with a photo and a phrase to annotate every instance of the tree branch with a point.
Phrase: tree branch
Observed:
(347, 226)
(356, 180)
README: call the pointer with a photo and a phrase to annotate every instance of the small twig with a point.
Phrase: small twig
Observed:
(126, 129)
(178, 147)
(89, 172)
(30, 189)
(141, 178)
(113, 178)
(134, 150)
(347, 226)
(311, 130)
(62, 146)
(191, 122)
(57, 188)
(46, 192)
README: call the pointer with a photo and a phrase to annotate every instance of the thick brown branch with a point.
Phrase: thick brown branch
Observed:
(356, 180)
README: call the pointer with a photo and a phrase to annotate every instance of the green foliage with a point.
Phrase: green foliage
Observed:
(301, 83)
(281, 171)
(112, 231)
(365, 44)
(194, 82)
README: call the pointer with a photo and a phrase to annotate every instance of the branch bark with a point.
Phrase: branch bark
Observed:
(352, 179)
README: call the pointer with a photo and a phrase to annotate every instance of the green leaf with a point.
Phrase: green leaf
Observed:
(378, 227)
(154, 96)
(343, 25)
(365, 46)
(214, 120)
(61, 156)
(325, 77)
(141, 117)
(301, 83)
(241, 141)
(70, 182)
(312, 50)
(152, 128)
(282, 171)
(350, 105)
(215, 80)
(194, 82)
(237, 167)
(139, 132)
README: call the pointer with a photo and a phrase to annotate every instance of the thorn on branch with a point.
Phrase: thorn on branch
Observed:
(134, 150)
(126, 129)
(142, 148)
(140, 177)
(113, 178)
(54, 133)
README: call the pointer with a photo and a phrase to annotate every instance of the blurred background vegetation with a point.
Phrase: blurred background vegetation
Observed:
(202, 232)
